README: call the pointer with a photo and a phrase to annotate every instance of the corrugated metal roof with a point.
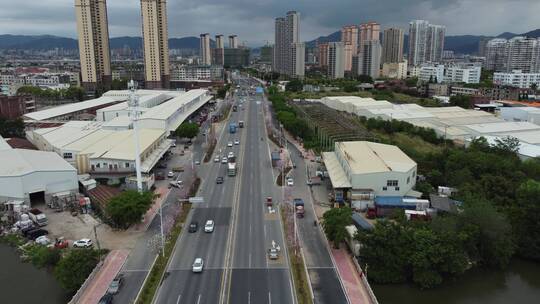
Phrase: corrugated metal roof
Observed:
(338, 177)
(170, 107)
(71, 108)
(367, 157)
(17, 162)
(3, 144)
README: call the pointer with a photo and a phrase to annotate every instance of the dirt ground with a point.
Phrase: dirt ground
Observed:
(82, 226)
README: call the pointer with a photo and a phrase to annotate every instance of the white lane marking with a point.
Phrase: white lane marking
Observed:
(264, 228)
(178, 299)
(269, 298)
(249, 297)
(249, 263)
(199, 299)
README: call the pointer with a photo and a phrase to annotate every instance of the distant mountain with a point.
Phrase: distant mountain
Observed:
(461, 44)
(47, 42)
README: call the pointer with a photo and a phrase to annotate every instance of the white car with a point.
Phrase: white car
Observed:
(198, 265)
(216, 159)
(224, 160)
(83, 243)
(231, 154)
(229, 144)
(290, 182)
(170, 174)
(236, 142)
(209, 226)
(43, 240)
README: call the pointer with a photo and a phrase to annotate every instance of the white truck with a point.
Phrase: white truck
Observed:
(231, 170)
(39, 218)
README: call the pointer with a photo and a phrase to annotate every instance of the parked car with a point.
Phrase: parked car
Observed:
(37, 232)
(106, 299)
(230, 144)
(175, 184)
(193, 227)
(83, 243)
(198, 265)
(197, 162)
(162, 166)
(43, 240)
(160, 176)
(170, 174)
(209, 226)
(61, 243)
(116, 284)
(219, 180)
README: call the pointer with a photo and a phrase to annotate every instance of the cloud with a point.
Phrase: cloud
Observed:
(253, 20)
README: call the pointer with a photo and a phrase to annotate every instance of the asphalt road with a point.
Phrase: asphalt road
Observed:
(253, 277)
(236, 268)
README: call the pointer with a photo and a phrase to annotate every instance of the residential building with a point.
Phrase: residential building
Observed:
(349, 37)
(206, 55)
(94, 51)
(517, 79)
(196, 73)
(287, 35)
(455, 90)
(336, 60)
(396, 70)
(233, 42)
(13, 107)
(362, 171)
(518, 53)
(323, 55)
(220, 43)
(236, 58)
(266, 54)
(369, 31)
(392, 51)
(298, 53)
(369, 58)
(450, 74)
(426, 42)
(155, 43)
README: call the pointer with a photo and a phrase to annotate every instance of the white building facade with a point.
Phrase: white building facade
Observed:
(517, 79)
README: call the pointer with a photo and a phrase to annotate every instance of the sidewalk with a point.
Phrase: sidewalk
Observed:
(163, 192)
(99, 285)
(350, 277)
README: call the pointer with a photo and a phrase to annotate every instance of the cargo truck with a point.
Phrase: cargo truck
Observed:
(299, 207)
(231, 170)
(39, 218)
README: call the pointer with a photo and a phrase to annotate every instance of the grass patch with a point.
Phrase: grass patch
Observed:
(159, 268)
(210, 151)
(279, 180)
(13, 240)
(301, 281)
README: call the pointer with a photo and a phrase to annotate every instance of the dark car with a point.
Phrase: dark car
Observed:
(162, 166)
(116, 284)
(25, 231)
(106, 299)
(193, 227)
(34, 234)
(219, 180)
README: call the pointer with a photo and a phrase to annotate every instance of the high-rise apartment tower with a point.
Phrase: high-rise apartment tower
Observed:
(392, 51)
(205, 52)
(155, 43)
(287, 47)
(94, 51)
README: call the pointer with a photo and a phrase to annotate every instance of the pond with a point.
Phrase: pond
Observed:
(519, 283)
(23, 283)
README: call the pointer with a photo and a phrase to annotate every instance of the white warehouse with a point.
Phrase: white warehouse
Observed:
(34, 176)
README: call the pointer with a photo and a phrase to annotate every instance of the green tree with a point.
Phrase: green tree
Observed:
(74, 268)
(526, 219)
(119, 84)
(11, 128)
(334, 222)
(129, 207)
(364, 78)
(463, 101)
(187, 130)
(294, 85)
(42, 256)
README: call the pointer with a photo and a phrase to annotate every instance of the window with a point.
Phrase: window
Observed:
(414, 174)
(392, 183)
(408, 179)
(127, 165)
(68, 155)
(397, 188)
(384, 188)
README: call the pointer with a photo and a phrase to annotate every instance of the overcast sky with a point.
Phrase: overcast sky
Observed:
(252, 20)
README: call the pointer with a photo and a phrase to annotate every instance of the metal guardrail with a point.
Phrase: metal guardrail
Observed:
(89, 279)
(365, 282)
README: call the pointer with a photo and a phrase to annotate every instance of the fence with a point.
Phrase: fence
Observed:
(365, 282)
